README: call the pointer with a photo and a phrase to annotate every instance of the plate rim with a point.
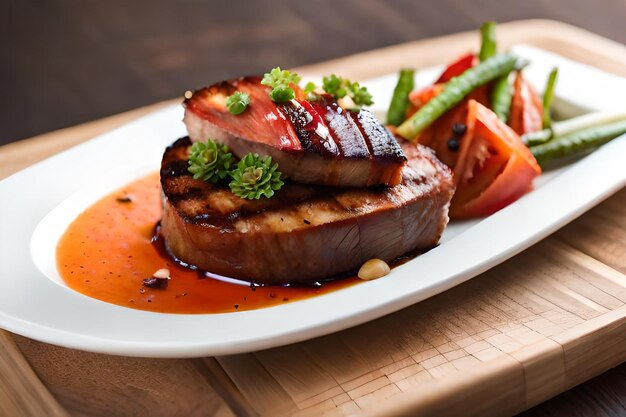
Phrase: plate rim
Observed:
(173, 349)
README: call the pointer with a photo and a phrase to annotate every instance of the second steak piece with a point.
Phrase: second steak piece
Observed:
(315, 142)
(304, 232)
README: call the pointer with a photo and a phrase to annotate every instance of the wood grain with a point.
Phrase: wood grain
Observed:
(91, 384)
(605, 229)
(523, 314)
(22, 394)
(602, 396)
(223, 385)
(548, 319)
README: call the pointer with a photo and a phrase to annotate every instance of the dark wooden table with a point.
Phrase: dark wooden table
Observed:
(68, 62)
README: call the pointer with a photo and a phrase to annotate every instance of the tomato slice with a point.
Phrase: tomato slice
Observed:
(526, 107)
(439, 134)
(493, 166)
(457, 68)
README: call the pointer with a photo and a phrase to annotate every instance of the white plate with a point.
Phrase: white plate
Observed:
(35, 303)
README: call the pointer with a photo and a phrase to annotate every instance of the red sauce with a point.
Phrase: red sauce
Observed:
(107, 252)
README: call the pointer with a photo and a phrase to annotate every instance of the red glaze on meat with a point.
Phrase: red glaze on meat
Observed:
(312, 142)
(304, 232)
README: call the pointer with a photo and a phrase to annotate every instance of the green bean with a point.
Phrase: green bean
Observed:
(577, 142)
(456, 90)
(537, 138)
(501, 94)
(488, 41)
(548, 94)
(501, 97)
(400, 99)
(573, 125)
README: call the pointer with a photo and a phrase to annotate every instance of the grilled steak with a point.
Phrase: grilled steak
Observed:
(304, 232)
(313, 142)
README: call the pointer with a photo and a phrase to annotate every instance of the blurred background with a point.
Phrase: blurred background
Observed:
(65, 62)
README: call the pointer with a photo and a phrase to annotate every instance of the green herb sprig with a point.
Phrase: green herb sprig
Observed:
(280, 81)
(209, 161)
(251, 178)
(238, 102)
(340, 87)
(255, 176)
(309, 89)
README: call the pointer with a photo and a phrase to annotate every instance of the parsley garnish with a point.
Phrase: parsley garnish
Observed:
(209, 161)
(255, 177)
(280, 81)
(340, 87)
(309, 89)
(238, 102)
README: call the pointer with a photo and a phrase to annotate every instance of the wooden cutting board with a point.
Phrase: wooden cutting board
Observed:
(541, 323)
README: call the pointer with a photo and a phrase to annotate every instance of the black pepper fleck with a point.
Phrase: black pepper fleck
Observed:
(306, 221)
(459, 129)
(124, 199)
(453, 144)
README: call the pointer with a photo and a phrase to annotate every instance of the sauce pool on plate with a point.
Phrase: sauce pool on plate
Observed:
(108, 251)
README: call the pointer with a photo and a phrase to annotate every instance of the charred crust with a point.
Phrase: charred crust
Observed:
(299, 119)
(371, 128)
(175, 169)
(179, 143)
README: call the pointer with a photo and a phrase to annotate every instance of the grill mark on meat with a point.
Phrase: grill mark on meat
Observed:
(190, 194)
(308, 130)
(346, 132)
(376, 136)
(299, 119)
(368, 142)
